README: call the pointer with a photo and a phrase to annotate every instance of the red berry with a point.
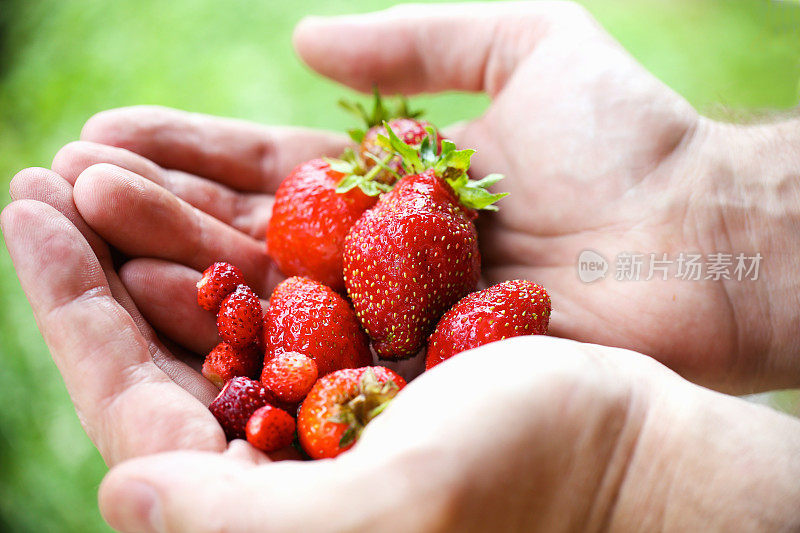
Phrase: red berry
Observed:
(340, 405)
(306, 232)
(226, 362)
(270, 429)
(239, 320)
(409, 130)
(407, 260)
(218, 281)
(289, 376)
(508, 309)
(238, 400)
(307, 317)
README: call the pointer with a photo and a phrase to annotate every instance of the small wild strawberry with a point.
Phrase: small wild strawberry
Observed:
(289, 376)
(270, 429)
(239, 320)
(218, 281)
(235, 403)
(226, 362)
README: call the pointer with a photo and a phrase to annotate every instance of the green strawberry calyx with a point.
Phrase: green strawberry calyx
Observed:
(355, 175)
(379, 114)
(371, 399)
(449, 164)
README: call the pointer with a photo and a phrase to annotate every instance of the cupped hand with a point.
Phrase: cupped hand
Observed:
(528, 434)
(598, 155)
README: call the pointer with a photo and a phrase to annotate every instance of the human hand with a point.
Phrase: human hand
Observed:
(528, 434)
(214, 148)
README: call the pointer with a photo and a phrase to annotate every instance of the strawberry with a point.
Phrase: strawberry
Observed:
(226, 362)
(340, 405)
(508, 309)
(405, 124)
(218, 281)
(307, 317)
(309, 221)
(239, 319)
(270, 429)
(238, 400)
(289, 376)
(410, 130)
(412, 256)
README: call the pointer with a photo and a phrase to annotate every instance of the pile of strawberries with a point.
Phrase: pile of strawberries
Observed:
(383, 256)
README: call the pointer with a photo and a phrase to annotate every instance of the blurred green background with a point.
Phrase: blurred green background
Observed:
(61, 61)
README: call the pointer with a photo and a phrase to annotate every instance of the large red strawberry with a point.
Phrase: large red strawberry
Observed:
(508, 309)
(340, 405)
(412, 256)
(238, 400)
(239, 318)
(226, 362)
(218, 281)
(307, 317)
(310, 219)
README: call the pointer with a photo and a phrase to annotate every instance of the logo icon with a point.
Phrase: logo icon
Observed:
(591, 266)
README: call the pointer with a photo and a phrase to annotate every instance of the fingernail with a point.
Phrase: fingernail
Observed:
(143, 508)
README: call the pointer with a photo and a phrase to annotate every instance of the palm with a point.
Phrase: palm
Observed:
(594, 150)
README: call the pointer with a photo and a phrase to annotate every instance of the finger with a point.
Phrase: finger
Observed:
(247, 212)
(202, 492)
(128, 406)
(166, 293)
(46, 186)
(49, 187)
(142, 219)
(238, 154)
(424, 48)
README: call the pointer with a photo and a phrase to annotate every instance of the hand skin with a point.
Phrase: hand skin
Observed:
(562, 435)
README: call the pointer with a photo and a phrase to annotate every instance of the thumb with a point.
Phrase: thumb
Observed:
(429, 48)
(240, 490)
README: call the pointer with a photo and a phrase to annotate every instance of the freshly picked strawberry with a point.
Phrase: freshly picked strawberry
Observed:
(307, 317)
(305, 235)
(289, 376)
(405, 123)
(412, 256)
(226, 362)
(218, 281)
(239, 319)
(234, 405)
(270, 429)
(340, 405)
(508, 309)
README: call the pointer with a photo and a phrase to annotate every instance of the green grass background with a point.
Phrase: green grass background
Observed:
(61, 61)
